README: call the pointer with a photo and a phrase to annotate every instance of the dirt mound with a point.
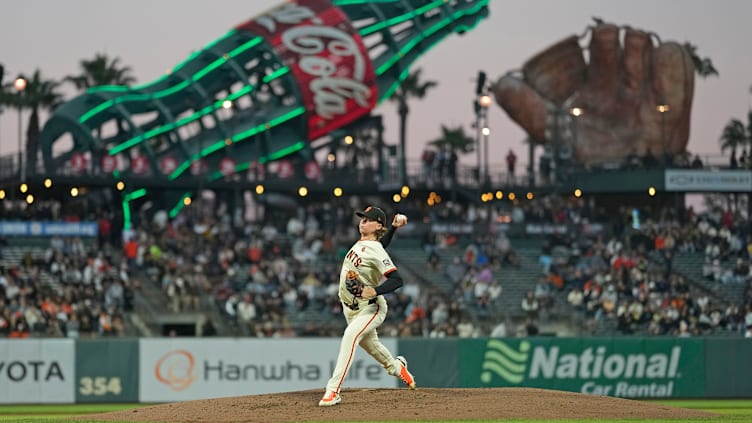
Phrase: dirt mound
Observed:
(402, 404)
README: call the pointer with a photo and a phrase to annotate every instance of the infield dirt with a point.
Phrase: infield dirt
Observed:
(402, 404)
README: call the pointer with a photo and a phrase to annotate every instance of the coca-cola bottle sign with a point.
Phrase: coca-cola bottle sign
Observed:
(326, 56)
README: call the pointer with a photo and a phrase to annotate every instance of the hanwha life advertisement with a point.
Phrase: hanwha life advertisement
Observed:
(188, 369)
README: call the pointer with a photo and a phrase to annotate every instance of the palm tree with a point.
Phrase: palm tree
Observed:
(411, 87)
(455, 139)
(101, 70)
(748, 141)
(40, 94)
(703, 66)
(8, 98)
(734, 136)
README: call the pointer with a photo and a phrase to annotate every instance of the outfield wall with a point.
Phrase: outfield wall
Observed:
(179, 369)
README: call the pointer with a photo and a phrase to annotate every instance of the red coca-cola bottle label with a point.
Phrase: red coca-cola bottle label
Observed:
(327, 58)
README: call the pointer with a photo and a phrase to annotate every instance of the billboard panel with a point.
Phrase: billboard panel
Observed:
(42, 228)
(37, 371)
(619, 367)
(106, 370)
(186, 369)
(708, 180)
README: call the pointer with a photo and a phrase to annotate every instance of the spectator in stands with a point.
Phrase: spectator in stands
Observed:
(608, 300)
(530, 305)
(545, 259)
(543, 294)
(649, 160)
(575, 298)
(3, 283)
(466, 328)
(528, 328)
(499, 331)
(511, 167)
(544, 167)
(72, 326)
(456, 270)
(427, 159)
(19, 328)
(741, 273)
(452, 165)
(733, 162)
(684, 330)
(205, 327)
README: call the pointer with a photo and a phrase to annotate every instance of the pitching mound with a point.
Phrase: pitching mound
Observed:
(402, 404)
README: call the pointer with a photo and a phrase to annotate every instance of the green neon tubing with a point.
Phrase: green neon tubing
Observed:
(399, 19)
(135, 194)
(179, 206)
(282, 71)
(274, 156)
(126, 214)
(121, 88)
(364, 32)
(413, 43)
(195, 116)
(350, 2)
(382, 69)
(169, 91)
(237, 137)
(127, 208)
(390, 63)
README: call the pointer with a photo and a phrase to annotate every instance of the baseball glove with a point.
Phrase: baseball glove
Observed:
(618, 88)
(353, 284)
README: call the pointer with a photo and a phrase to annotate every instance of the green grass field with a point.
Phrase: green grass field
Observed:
(729, 411)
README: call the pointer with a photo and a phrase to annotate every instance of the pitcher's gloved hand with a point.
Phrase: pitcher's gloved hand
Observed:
(353, 284)
(618, 90)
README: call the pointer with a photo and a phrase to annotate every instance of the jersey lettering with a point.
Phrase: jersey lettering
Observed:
(354, 259)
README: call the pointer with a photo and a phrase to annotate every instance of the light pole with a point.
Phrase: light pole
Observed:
(476, 109)
(555, 135)
(663, 108)
(2, 75)
(559, 131)
(485, 102)
(20, 85)
(480, 109)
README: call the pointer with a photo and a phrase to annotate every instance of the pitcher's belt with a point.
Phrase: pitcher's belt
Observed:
(355, 305)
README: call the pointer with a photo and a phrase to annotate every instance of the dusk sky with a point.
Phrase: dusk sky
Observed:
(153, 36)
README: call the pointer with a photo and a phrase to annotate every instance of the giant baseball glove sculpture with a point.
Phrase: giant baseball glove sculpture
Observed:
(617, 91)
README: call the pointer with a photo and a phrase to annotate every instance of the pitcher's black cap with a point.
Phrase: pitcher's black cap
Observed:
(373, 213)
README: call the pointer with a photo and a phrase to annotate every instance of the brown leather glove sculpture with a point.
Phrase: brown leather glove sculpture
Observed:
(618, 91)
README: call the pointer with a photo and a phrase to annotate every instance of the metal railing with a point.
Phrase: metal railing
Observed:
(464, 175)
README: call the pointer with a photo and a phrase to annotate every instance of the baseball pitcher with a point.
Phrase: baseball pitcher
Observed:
(364, 306)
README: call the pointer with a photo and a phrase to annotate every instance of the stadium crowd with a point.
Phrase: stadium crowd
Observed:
(71, 288)
(630, 276)
(261, 275)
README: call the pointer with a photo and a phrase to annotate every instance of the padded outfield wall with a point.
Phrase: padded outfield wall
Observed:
(178, 369)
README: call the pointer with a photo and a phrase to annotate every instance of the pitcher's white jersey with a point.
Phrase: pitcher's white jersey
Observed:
(370, 261)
